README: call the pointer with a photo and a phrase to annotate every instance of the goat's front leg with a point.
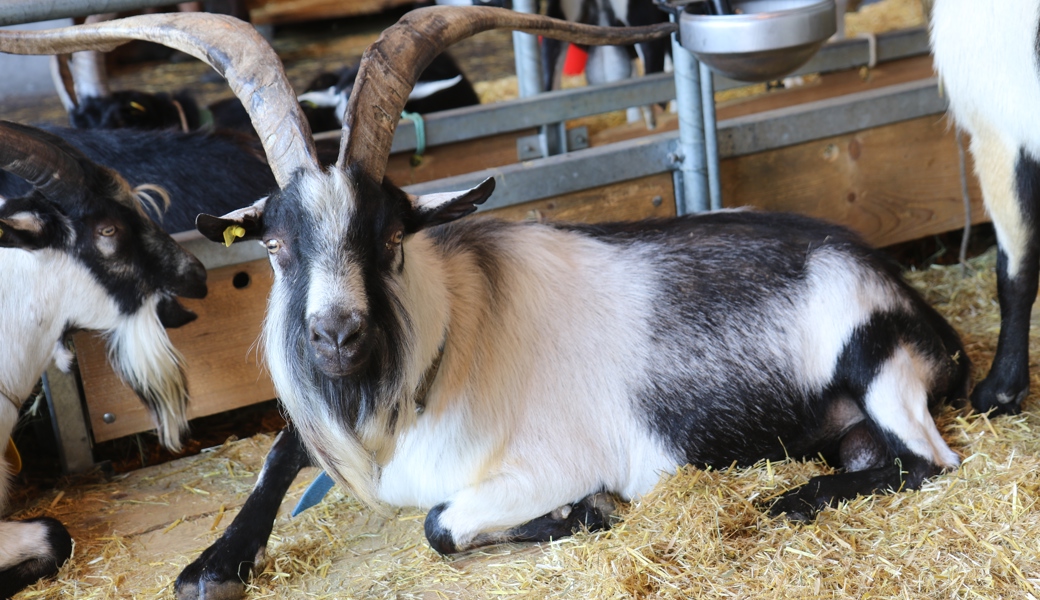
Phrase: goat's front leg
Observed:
(30, 550)
(505, 510)
(1011, 188)
(221, 571)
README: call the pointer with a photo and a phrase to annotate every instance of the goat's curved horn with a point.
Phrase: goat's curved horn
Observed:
(229, 45)
(391, 66)
(52, 171)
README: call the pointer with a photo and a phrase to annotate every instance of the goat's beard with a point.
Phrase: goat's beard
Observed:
(141, 354)
(325, 419)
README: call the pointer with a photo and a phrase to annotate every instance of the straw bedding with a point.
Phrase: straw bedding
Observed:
(973, 533)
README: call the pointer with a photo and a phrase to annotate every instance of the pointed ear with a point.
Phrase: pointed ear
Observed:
(435, 209)
(242, 224)
(27, 230)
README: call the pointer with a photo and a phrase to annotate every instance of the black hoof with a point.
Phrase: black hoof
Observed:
(997, 398)
(798, 506)
(219, 573)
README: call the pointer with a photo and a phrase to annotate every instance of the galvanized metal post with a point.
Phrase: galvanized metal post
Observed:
(552, 138)
(711, 139)
(526, 54)
(691, 159)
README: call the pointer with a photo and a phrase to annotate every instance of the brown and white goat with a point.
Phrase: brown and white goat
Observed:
(988, 58)
(505, 376)
(78, 252)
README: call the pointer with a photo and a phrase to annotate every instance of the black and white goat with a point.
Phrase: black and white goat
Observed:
(78, 252)
(606, 64)
(198, 170)
(81, 81)
(986, 54)
(441, 86)
(508, 376)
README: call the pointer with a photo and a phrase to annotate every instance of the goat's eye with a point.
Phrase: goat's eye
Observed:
(273, 246)
(395, 240)
(108, 230)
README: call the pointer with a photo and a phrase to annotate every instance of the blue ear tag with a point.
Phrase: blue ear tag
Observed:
(314, 493)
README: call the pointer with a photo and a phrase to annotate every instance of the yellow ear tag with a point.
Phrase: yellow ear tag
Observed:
(232, 232)
(14, 460)
(137, 106)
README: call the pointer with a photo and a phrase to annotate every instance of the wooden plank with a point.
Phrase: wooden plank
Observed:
(831, 85)
(219, 350)
(642, 198)
(891, 184)
(264, 12)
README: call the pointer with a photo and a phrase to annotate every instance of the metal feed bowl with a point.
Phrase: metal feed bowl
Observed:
(766, 40)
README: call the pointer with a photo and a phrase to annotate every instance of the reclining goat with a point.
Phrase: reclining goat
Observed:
(78, 252)
(504, 376)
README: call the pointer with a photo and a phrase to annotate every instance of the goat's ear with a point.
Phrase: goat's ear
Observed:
(27, 229)
(172, 314)
(242, 224)
(435, 209)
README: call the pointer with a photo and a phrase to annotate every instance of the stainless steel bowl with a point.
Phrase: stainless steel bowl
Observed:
(766, 40)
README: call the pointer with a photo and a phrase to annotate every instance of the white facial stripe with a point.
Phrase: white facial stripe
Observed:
(335, 288)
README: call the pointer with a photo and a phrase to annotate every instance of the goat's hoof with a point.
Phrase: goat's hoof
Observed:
(797, 505)
(210, 590)
(218, 574)
(992, 394)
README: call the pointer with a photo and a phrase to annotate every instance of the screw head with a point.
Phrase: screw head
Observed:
(108, 418)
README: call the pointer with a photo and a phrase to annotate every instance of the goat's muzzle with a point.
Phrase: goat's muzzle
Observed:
(339, 342)
(191, 279)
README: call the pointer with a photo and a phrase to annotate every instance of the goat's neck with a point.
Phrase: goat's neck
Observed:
(44, 292)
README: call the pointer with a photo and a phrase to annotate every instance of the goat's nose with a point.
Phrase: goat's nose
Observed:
(337, 331)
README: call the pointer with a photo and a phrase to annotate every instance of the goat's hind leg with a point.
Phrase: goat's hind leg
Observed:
(1010, 180)
(894, 448)
(222, 570)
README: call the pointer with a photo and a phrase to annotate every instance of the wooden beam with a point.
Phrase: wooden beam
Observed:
(891, 184)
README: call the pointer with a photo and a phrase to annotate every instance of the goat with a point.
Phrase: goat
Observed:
(78, 252)
(986, 56)
(441, 86)
(607, 63)
(507, 377)
(216, 170)
(82, 85)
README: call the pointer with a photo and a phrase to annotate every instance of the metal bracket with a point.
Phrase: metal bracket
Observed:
(548, 142)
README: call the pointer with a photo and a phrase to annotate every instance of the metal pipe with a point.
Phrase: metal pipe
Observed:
(527, 55)
(711, 140)
(692, 160)
(31, 11)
